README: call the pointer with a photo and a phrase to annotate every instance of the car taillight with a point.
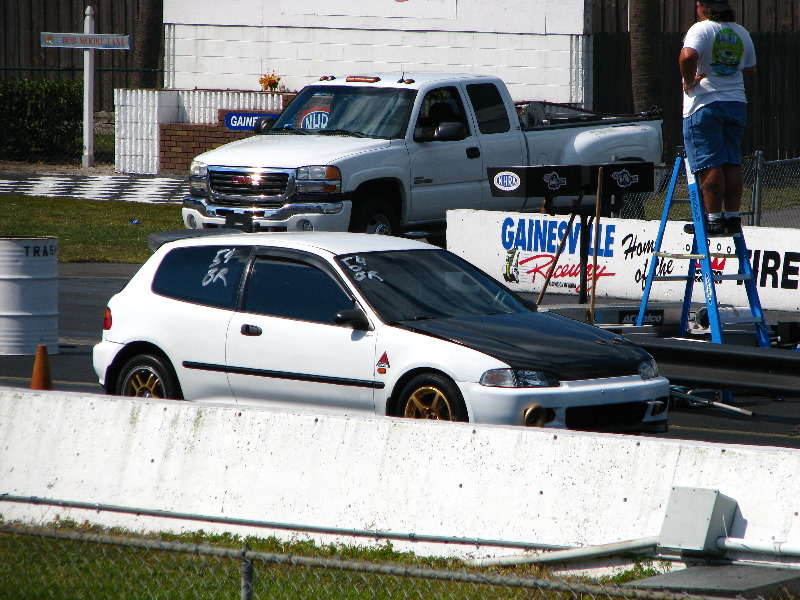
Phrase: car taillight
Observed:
(107, 319)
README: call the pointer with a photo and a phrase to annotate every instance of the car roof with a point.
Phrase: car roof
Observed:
(325, 241)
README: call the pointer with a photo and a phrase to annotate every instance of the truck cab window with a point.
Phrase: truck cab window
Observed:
(489, 108)
(442, 105)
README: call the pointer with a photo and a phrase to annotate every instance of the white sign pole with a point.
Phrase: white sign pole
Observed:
(88, 94)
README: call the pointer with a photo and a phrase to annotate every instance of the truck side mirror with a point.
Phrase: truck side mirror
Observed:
(444, 132)
(450, 132)
(263, 125)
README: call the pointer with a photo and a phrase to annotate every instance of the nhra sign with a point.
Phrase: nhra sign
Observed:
(237, 121)
(314, 119)
(560, 180)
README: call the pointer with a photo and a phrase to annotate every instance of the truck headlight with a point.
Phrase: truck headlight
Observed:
(198, 178)
(508, 378)
(318, 179)
(648, 369)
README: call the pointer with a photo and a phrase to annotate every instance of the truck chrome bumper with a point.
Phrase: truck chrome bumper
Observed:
(198, 213)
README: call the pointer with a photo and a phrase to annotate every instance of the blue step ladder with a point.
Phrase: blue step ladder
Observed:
(708, 277)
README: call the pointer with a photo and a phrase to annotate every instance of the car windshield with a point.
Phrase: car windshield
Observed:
(412, 285)
(346, 110)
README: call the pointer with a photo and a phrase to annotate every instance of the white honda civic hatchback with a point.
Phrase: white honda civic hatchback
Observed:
(369, 325)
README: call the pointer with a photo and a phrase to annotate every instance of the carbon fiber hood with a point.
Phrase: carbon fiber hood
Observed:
(540, 341)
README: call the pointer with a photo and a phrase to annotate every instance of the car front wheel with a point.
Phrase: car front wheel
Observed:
(431, 396)
(148, 376)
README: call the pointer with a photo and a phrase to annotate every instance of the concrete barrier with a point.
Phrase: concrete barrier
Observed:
(505, 483)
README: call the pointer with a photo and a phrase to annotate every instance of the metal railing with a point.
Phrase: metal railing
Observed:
(771, 196)
(64, 560)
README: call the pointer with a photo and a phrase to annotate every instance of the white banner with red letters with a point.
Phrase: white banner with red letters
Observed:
(519, 249)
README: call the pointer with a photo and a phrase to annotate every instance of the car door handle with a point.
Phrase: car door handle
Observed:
(473, 152)
(251, 330)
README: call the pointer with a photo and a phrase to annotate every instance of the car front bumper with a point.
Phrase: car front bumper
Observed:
(613, 404)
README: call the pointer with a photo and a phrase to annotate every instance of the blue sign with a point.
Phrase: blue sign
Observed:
(316, 119)
(245, 121)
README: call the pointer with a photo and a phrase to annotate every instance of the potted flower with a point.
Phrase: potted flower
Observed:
(269, 81)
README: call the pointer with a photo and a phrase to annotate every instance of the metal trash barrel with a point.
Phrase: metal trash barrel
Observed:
(28, 294)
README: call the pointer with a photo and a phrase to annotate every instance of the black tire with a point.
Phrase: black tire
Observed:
(148, 376)
(373, 215)
(431, 396)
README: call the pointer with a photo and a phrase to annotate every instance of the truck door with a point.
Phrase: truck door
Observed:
(444, 174)
(502, 142)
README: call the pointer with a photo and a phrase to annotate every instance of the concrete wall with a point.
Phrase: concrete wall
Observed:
(625, 250)
(510, 483)
(539, 47)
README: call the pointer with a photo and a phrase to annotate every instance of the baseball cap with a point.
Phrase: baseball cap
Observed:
(716, 5)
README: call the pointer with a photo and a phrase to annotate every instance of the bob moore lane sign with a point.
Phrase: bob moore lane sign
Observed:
(85, 41)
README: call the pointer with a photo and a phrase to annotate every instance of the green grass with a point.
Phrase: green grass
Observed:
(37, 567)
(88, 230)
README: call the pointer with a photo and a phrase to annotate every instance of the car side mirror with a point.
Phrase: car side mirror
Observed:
(354, 318)
(263, 125)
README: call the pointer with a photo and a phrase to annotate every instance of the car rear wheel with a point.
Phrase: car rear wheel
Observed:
(431, 396)
(148, 376)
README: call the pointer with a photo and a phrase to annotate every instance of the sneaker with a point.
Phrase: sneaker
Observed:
(733, 225)
(716, 227)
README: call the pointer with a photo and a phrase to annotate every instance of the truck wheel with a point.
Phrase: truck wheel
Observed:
(373, 215)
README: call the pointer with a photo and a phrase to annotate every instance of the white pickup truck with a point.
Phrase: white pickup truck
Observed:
(391, 153)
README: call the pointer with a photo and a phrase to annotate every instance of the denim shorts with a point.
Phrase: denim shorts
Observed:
(713, 135)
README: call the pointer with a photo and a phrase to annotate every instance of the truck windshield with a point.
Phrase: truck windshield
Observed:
(343, 110)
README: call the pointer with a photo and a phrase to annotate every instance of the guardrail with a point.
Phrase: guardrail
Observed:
(727, 366)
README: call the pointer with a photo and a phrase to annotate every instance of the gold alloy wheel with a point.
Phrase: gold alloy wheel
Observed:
(144, 382)
(429, 402)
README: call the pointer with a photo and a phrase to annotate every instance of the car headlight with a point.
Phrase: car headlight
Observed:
(198, 177)
(509, 378)
(318, 179)
(648, 369)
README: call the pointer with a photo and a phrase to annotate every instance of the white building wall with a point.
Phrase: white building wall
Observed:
(539, 47)
(139, 113)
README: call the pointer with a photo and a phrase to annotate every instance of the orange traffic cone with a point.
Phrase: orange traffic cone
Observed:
(41, 380)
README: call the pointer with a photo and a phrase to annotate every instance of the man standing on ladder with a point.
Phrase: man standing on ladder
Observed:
(717, 53)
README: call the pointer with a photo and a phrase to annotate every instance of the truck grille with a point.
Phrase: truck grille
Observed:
(626, 416)
(256, 187)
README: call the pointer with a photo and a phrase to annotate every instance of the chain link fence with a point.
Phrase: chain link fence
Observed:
(42, 563)
(771, 195)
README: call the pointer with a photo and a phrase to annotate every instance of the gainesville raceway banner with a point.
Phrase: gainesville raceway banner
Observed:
(519, 249)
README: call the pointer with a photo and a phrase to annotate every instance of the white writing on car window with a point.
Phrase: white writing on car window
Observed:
(360, 269)
(215, 271)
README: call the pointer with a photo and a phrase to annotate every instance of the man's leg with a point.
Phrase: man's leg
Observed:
(713, 183)
(734, 188)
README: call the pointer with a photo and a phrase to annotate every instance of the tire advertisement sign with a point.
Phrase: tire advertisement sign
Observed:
(520, 249)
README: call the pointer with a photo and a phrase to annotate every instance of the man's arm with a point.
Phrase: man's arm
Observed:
(688, 60)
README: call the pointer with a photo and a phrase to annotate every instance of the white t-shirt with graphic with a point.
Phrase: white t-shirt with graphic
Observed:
(725, 49)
